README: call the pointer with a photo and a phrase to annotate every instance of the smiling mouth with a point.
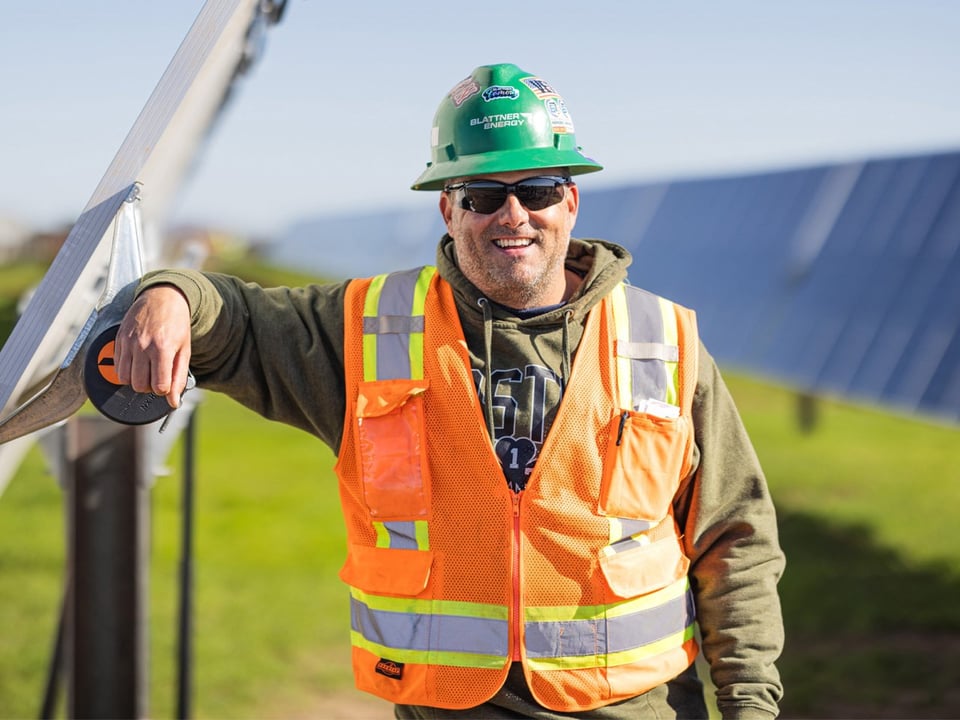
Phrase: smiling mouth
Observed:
(512, 242)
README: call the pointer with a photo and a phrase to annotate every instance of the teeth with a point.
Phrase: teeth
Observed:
(512, 242)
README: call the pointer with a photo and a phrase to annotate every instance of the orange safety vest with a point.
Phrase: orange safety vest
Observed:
(452, 576)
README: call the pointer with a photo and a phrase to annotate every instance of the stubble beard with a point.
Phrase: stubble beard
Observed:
(521, 285)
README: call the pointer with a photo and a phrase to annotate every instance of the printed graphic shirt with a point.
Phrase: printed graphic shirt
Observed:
(525, 401)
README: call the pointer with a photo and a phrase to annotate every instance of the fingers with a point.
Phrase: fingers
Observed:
(180, 370)
(152, 352)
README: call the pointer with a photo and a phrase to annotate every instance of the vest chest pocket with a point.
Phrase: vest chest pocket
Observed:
(646, 458)
(390, 443)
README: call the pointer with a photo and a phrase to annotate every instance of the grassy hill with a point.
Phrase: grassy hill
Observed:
(867, 503)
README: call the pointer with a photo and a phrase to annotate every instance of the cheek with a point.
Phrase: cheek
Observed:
(453, 224)
(465, 226)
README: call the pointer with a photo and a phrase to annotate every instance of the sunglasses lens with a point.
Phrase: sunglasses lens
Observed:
(539, 193)
(488, 196)
(484, 198)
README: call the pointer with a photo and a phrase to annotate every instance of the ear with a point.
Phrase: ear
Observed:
(572, 200)
(446, 209)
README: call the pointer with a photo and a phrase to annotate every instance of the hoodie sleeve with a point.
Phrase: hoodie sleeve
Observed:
(730, 535)
(278, 351)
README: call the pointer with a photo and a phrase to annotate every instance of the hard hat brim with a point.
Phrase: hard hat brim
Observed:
(437, 175)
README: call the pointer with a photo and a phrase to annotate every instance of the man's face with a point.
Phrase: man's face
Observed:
(514, 255)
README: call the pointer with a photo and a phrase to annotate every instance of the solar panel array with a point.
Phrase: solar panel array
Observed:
(840, 279)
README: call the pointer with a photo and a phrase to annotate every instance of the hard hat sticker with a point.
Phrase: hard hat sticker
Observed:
(559, 115)
(541, 88)
(106, 364)
(463, 90)
(500, 92)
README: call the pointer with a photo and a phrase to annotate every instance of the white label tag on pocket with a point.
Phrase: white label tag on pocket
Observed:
(659, 409)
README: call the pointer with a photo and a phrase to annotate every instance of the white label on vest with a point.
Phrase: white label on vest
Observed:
(659, 409)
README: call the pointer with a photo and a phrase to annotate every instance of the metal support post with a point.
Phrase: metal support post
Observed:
(108, 529)
(185, 624)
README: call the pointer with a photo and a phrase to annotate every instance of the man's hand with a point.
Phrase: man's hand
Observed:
(152, 352)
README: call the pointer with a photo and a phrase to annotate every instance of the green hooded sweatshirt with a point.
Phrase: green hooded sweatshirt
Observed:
(279, 351)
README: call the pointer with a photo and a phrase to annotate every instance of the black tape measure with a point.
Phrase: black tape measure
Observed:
(120, 403)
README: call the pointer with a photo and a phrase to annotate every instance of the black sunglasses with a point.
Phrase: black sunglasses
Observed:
(488, 196)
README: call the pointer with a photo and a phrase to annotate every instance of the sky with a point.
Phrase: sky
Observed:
(336, 115)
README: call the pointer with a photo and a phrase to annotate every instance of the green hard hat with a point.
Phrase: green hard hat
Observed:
(501, 119)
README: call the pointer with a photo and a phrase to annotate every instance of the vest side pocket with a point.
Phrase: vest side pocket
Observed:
(390, 443)
(646, 458)
(644, 569)
(387, 570)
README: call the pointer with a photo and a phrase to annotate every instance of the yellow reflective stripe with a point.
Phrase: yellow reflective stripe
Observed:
(383, 537)
(428, 657)
(621, 323)
(670, 337)
(372, 301)
(416, 339)
(422, 531)
(560, 613)
(670, 642)
(616, 529)
(370, 308)
(431, 607)
(624, 657)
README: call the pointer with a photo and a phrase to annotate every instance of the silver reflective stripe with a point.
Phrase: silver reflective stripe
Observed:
(395, 306)
(627, 543)
(434, 633)
(646, 327)
(401, 324)
(403, 535)
(630, 526)
(649, 351)
(605, 635)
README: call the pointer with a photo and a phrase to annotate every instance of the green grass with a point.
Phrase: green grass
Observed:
(868, 506)
(269, 542)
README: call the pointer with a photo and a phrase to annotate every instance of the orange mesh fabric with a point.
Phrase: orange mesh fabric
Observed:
(470, 530)
(689, 352)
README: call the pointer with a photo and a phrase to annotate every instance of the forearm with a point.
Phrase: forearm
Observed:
(278, 351)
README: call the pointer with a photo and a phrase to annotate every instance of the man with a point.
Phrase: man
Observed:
(545, 483)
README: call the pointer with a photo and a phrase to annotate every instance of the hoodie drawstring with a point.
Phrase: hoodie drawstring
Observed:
(565, 361)
(487, 362)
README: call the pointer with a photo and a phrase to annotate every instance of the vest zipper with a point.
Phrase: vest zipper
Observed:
(516, 578)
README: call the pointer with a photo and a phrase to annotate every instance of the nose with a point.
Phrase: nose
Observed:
(512, 212)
